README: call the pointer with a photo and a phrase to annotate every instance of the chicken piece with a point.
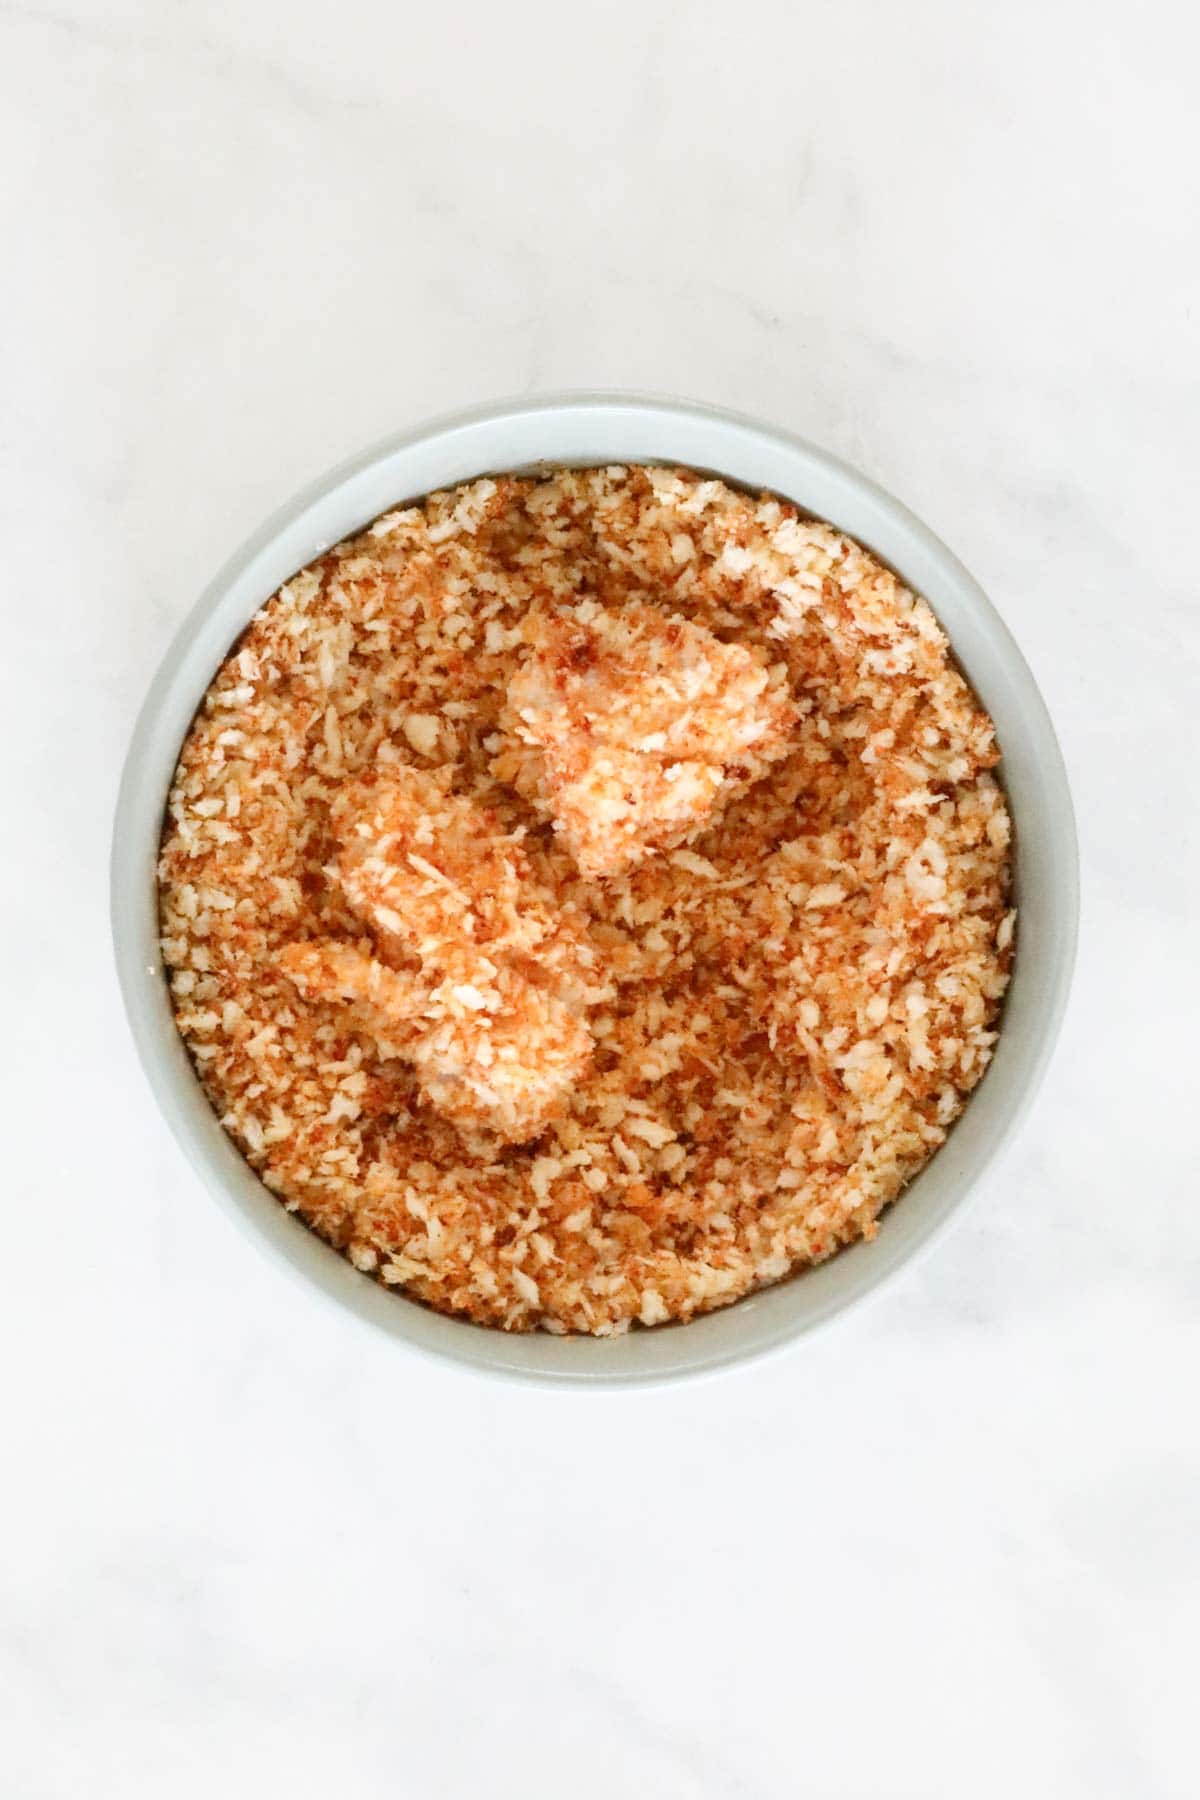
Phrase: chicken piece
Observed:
(501, 1067)
(489, 1009)
(644, 722)
(389, 1003)
(433, 873)
(506, 1071)
(344, 971)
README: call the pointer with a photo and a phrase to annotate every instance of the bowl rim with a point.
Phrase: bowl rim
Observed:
(1046, 860)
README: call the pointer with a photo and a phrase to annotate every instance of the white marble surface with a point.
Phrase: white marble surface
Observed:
(949, 1547)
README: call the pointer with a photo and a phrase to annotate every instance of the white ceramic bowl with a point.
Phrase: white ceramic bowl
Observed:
(585, 429)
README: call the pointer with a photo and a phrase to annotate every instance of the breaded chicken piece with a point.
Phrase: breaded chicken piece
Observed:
(506, 1071)
(490, 1012)
(644, 723)
(390, 1003)
(503, 1070)
(435, 874)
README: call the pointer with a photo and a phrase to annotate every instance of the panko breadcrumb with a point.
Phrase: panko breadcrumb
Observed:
(586, 899)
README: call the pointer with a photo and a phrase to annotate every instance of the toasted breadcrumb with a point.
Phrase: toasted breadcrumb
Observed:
(540, 1062)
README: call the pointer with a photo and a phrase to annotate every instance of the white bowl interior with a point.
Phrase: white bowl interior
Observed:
(583, 430)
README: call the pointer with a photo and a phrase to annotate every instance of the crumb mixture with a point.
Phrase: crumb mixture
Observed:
(586, 899)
